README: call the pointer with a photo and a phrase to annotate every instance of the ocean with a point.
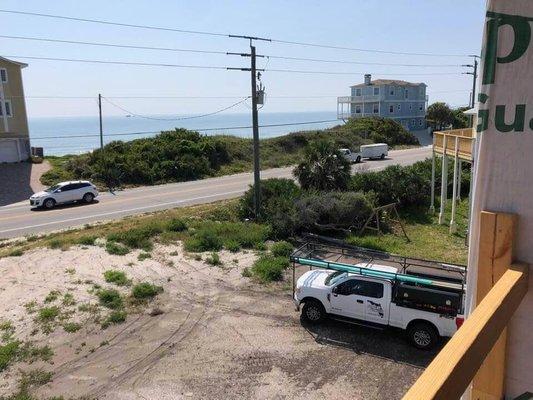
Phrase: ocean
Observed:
(75, 135)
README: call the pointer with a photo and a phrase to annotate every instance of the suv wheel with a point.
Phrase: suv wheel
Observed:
(422, 336)
(313, 311)
(49, 203)
(358, 160)
(88, 197)
(382, 156)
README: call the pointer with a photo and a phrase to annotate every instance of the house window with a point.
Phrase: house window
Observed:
(410, 107)
(358, 109)
(376, 91)
(376, 108)
(9, 110)
(399, 107)
(420, 107)
(391, 109)
(358, 92)
(406, 93)
(419, 122)
(3, 74)
(391, 92)
(413, 122)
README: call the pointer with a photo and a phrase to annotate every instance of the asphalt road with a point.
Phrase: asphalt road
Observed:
(19, 219)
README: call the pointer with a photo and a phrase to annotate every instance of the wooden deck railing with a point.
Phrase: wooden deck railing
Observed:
(450, 373)
(447, 141)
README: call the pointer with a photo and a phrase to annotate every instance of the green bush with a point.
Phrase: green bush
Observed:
(110, 298)
(86, 240)
(269, 268)
(115, 317)
(8, 354)
(176, 225)
(331, 211)
(15, 253)
(381, 130)
(48, 314)
(213, 259)
(203, 240)
(232, 245)
(137, 238)
(71, 327)
(145, 290)
(281, 249)
(116, 249)
(117, 277)
(143, 256)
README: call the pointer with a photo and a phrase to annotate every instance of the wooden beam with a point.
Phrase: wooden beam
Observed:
(450, 373)
(494, 257)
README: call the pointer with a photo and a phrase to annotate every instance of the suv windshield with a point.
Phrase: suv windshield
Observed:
(52, 188)
(334, 277)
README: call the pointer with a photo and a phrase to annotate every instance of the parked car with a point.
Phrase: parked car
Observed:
(373, 151)
(379, 297)
(352, 157)
(65, 192)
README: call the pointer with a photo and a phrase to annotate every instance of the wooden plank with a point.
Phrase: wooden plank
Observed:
(449, 374)
(494, 257)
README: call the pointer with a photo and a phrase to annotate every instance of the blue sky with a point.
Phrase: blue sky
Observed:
(450, 27)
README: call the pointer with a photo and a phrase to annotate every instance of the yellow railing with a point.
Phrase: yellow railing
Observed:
(450, 373)
(447, 141)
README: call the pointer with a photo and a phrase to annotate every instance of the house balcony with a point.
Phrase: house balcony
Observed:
(455, 140)
(359, 99)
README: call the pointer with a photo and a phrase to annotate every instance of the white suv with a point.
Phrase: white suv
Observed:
(65, 192)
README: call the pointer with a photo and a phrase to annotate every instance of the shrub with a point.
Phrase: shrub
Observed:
(87, 240)
(116, 249)
(204, 240)
(213, 259)
(110, 298)
(332, 211)
(15, 253)
(8, 354)
(52, 296)
(117, 277)
(145, 290)
(176, 225)
(143, 256)
(71, 327)
(48, 314)
(232, 245)
(381, 130)
(281, 249)
(269, 268)
(116, 317)
(136, 238)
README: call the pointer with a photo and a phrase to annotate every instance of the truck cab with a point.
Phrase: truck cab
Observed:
(353, 157)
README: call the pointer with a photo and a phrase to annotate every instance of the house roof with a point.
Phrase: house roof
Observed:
(21, 65)
(390, 82)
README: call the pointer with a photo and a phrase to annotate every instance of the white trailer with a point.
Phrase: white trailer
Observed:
(376, 150)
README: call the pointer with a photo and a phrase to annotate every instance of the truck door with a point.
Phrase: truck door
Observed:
(376, 299)
(345, 302)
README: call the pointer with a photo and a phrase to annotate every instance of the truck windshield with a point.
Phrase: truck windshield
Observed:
(334, 277)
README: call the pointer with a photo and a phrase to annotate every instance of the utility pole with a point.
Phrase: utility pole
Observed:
(255, 120)
(100, 115)
(255, 123)
(474, 80)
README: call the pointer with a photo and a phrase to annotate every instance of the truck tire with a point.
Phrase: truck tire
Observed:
(358, 160)
(313, 311)
(382, 156)
(422, 335)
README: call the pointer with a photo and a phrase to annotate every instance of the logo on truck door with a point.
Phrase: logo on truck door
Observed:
(374, 308)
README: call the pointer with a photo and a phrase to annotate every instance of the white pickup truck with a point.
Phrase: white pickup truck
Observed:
(370, 151)
(379, 296)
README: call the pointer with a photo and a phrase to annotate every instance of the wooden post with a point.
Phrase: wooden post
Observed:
(432, 206)
(494, 258)
(453, 224)
(444, 180)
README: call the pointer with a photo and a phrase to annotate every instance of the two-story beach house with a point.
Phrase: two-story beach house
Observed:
(14, 132)
(405, 102)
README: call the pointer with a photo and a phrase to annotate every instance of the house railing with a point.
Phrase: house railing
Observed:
(446, 142)
(450, 373)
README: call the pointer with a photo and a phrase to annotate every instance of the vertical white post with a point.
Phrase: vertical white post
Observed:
(453, 223)
(444, 180)
(432, 206)
(459, 180)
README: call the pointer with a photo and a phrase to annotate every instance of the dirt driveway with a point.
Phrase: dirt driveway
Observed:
(219, 335)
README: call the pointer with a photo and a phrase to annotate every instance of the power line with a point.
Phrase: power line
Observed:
(190, 129)
(219, 34)
(103, 22)
(219, 67)
(268, 56)
(179, 118)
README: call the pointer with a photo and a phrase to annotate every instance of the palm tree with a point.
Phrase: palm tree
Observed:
(323, 167)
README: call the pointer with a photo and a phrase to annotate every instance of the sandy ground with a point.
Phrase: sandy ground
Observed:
(220, 336)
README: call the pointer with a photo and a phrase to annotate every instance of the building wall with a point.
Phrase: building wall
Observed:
(14, 91)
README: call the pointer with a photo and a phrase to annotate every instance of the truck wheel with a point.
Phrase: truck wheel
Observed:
(358, 160)
(313, 311)
(422, 335)
(382, 156)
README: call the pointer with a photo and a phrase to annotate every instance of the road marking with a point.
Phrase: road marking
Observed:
(121, 211)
